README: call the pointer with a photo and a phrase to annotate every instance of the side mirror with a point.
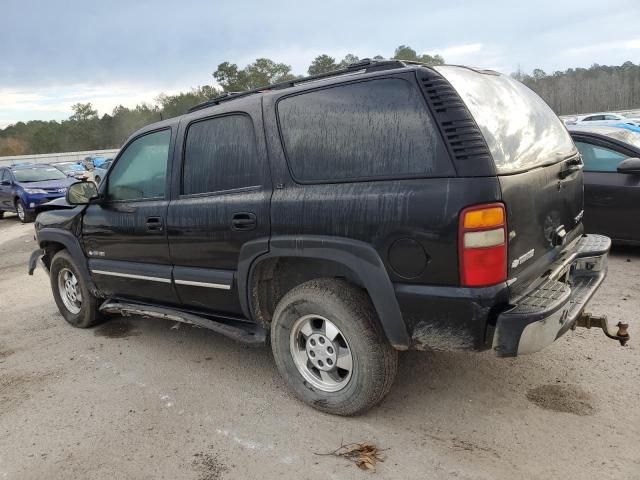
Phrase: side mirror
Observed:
(630, 165)
(81, 193)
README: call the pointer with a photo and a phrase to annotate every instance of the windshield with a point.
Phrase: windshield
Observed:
(627, 136)
(37, 174)
(521, 130)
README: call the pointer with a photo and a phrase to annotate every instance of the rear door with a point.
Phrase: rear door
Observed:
(538, 167)
(125, 235)
(221, 201)
(611, 198)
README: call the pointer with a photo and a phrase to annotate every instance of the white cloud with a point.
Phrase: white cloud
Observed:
(458, 50)
(603, 47)
(54, 103)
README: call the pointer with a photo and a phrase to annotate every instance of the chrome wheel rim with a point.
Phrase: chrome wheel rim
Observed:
(20, 210)
(321, 353)
(69, 290)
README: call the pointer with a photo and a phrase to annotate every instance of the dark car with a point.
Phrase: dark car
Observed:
(342, 217)
(24, 187)
(611, 158)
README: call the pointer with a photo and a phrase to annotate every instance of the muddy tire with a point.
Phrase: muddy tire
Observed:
(330, 348)
(70, 291)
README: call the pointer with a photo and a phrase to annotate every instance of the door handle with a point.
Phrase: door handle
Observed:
(242, 221)
(154, 224)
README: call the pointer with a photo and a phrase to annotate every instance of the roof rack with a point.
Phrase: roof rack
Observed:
(366, 65)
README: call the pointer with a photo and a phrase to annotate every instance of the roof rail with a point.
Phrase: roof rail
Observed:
(366, 65)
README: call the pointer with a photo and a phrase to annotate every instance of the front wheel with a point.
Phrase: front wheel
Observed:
(330, 348)
(70, 291)
(23, 214)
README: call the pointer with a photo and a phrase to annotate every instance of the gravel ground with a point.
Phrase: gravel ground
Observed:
(148, 399)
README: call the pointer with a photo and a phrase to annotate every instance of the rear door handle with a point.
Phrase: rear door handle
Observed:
(154, 224)
(242, 221)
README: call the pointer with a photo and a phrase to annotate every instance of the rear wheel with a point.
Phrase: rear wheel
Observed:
(23, 214)
(330, 348)
(70, 291)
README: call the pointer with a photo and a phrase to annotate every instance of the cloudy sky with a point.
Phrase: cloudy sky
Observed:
(54, 53)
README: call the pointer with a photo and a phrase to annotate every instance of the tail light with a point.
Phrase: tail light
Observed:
(482, 239)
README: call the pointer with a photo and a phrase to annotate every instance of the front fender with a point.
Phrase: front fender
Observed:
(71, 243)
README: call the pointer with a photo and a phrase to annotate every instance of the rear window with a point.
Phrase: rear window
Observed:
(361, 131)
(521, 130)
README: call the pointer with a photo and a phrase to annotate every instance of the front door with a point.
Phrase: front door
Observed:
(6, 190)
(611, 199)
(125, 235)
(221, 203)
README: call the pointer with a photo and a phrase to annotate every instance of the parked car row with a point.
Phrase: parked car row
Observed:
(605, 118)
(25, 187)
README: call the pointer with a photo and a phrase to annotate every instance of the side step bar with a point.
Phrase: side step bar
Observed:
(249, 334)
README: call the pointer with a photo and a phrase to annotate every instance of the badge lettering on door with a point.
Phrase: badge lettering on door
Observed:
(523, 258)
(95, 253)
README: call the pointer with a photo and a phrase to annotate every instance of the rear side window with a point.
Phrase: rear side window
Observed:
(360, 131)
(220, 154)
(521, 130)
(599, 159)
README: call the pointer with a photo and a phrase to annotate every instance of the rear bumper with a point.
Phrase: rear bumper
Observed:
(542, 315)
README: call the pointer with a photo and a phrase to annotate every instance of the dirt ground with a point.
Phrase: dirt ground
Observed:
(148, 399)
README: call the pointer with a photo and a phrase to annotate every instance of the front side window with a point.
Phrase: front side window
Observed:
(220, 154)
(599, 159)
(141, 170)
(368, 130)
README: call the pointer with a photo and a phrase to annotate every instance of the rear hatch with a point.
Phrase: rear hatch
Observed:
(538, 167)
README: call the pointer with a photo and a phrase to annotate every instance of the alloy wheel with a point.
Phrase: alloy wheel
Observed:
(321, 353)
(69, 290)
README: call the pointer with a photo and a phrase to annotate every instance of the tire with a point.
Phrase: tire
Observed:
(83, 313)
(97, 180)
(318, 304)
(1, 214)
(24, 215)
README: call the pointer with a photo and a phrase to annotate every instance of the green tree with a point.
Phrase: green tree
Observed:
(322, 64)
(404, 52)
(261, 73)
(83, 111)
(348, 59)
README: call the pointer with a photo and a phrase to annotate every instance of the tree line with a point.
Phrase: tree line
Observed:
(576, 90)
(599, 88)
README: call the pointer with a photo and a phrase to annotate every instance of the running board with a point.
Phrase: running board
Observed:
(250, 334)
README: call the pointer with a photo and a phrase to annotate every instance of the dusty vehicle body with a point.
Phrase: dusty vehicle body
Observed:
(343, 217)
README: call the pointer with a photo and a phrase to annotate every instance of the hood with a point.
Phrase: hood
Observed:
(59, 183)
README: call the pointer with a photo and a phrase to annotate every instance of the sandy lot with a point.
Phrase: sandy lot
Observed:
(147, 399)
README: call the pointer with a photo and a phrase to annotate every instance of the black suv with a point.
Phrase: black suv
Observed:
(342, 217)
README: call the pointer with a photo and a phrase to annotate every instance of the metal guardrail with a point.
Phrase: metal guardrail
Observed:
(57, 157)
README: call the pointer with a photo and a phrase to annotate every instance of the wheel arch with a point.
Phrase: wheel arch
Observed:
(354, 260)
(52, 241)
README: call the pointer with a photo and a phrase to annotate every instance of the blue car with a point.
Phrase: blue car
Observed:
(24, 187)
(626, 126)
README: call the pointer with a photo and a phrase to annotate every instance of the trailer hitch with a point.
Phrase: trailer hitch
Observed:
(588, 320)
